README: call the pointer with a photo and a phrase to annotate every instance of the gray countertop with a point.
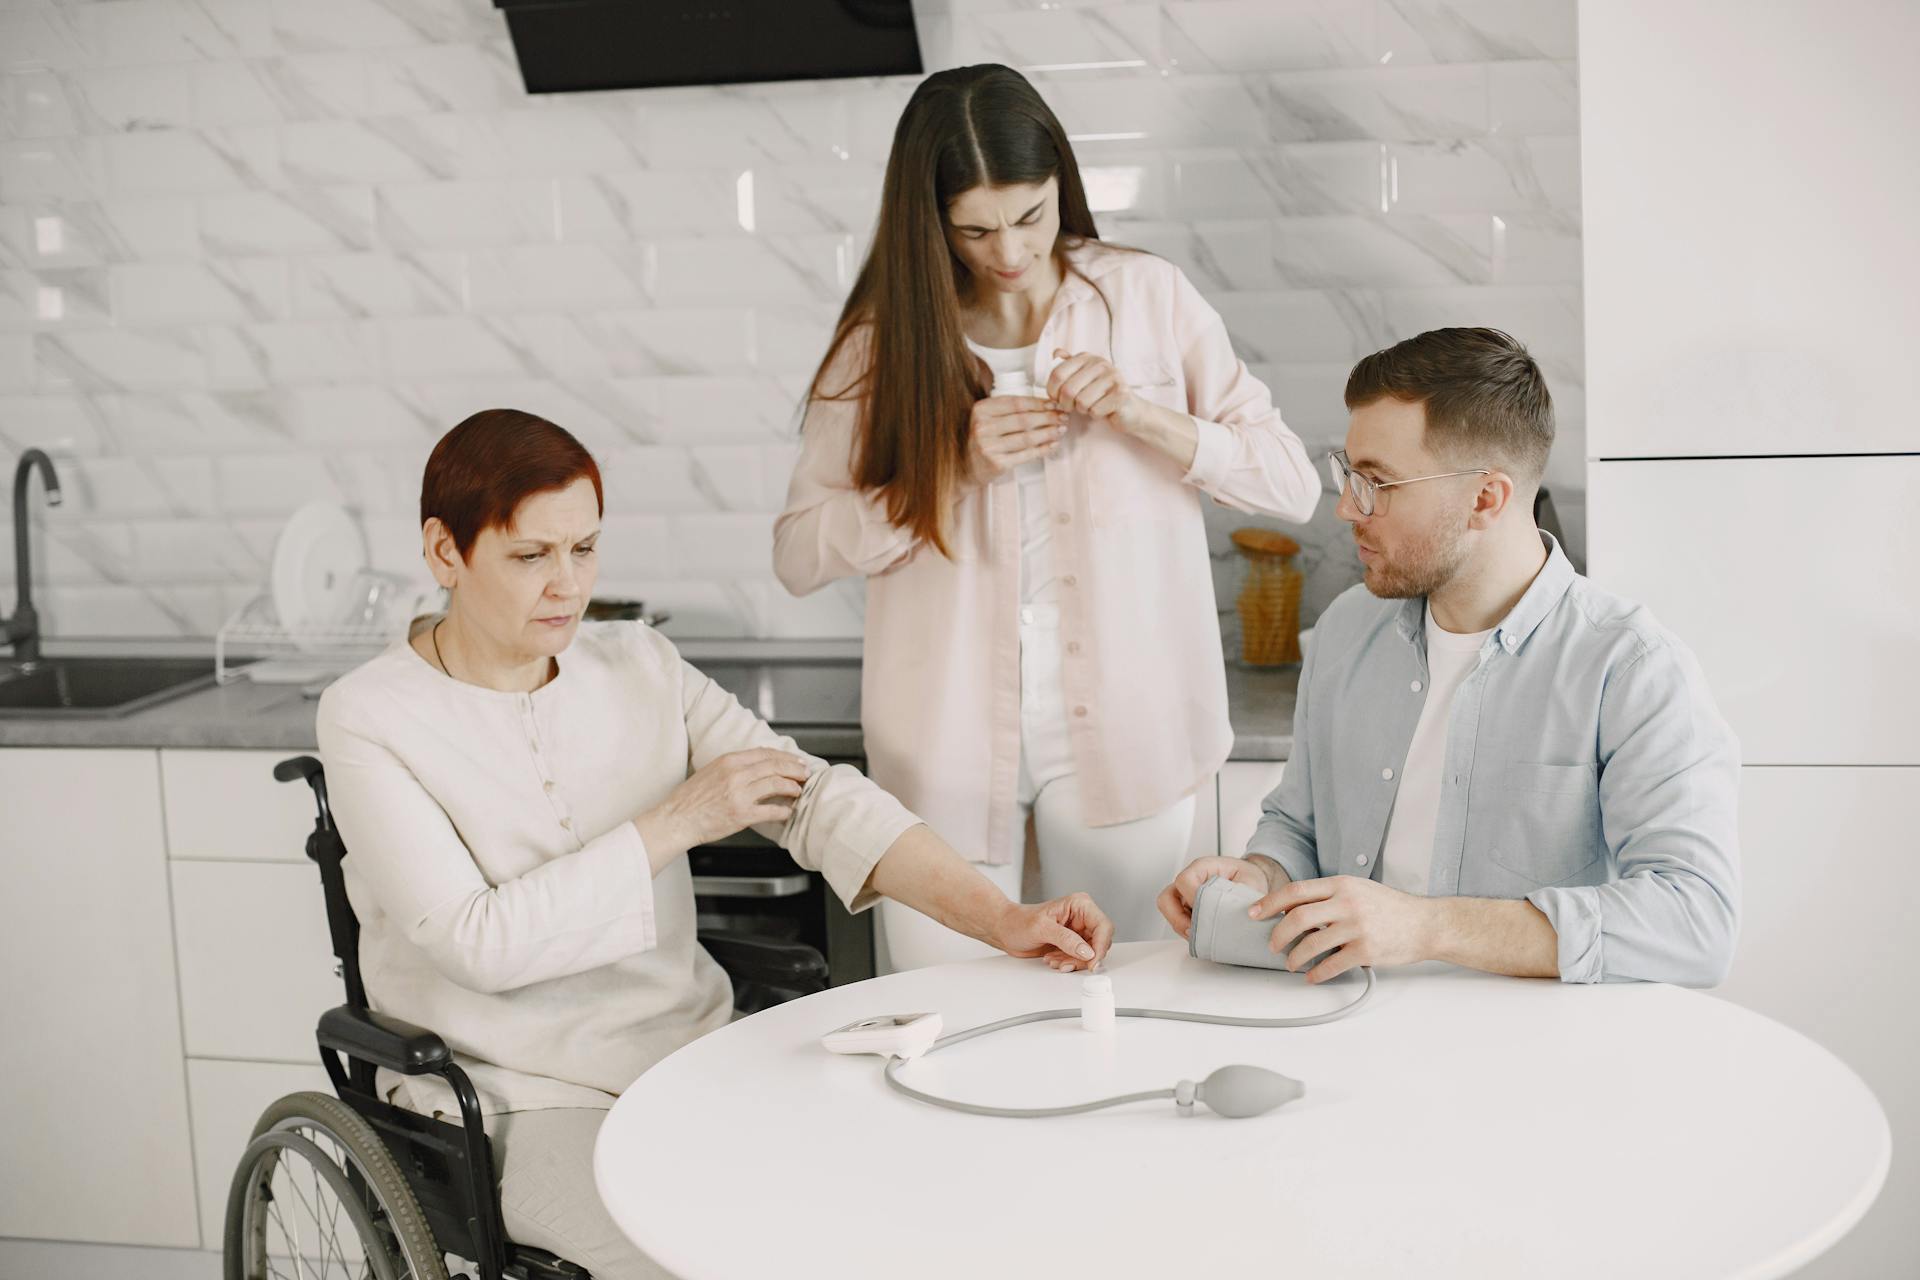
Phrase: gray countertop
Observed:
(813, 696)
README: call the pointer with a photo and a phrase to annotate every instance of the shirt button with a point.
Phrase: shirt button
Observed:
(1362, 860)
(534, 743)
(1073, 646)
(1509, 641)
(1387, 774)
(567, 823)
(1064, 518)
(1080, 712)
(1069, 581)
(549, 786)
(1416, 686)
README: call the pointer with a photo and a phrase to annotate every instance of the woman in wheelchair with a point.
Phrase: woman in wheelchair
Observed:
(517, 791)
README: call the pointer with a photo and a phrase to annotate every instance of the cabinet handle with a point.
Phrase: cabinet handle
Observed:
(749, 886)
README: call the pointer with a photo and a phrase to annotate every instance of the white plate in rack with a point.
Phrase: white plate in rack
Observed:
(314, 562)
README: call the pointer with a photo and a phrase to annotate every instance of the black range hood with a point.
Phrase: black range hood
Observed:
(567, 46)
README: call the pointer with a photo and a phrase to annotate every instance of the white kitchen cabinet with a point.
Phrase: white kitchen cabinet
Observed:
(256, 963)
(93, 1115)
(1243, 785)
(1831, 890)
(228, 1098)
(1792, 580)
(1749, 177)
(225, 804)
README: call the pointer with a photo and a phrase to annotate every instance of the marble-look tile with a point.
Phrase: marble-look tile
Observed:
(87, 360)
(655, 479)
(1298, 178)
(196, 422)
(1485, 174)
(1126, 184)
(137, 485)
(445, 215)
(1304, 325)
(730, 545)
(183, 161)
(1056, 41)
(34, 103)
(124, 99)
(298, 221)
(716, 610)
(792, 339)
(194, 551)
(1530, 246)
(1386, 103)
(284, 353)
(551, 139)
(480, 76)
(67, 553)
(784, 199)
(39, 38)
(133, 612)
(736, 477)
(1311, 399)
(64, 425)
(46, 300)
(352, 286)
(1474, 30)
(269, 484)
(1357, 251)
(387, 149)
(385, 414)
(629, 205)
(377, 24)
(1548, 319)
(758, 269)
(711, 410)
(559, 277)
(1182, 111)
(42, 169)
(635, 546)
(591, 409)
(836, 611)
(1259, 35)
(148, 32)
(17, 356)
(731, 127)
(443, 346)
(1533, 98)
(232, 290)
(630, 342)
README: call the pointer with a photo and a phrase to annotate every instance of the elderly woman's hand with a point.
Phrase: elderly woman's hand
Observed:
(727, 795)
(1070, 932)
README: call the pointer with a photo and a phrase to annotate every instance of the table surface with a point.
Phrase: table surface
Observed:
(1461, 1124)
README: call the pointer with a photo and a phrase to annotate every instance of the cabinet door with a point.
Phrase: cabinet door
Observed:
(256, 962)
(1752, 276)
(1243, 785)
(228, 1098)
(1792, 580)
(93, 1116)
(225, 804)
(1831, 888)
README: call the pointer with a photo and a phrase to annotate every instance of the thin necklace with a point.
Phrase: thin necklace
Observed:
(436, 652)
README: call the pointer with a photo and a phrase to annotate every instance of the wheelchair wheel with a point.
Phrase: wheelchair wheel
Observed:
(318, 1196)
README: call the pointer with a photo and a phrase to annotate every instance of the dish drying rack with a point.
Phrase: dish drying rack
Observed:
(253, 643)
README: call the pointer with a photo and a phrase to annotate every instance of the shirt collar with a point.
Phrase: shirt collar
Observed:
(1549, 585)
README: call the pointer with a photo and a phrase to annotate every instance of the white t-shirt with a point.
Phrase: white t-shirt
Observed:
(1037, 581)
(1407, 858)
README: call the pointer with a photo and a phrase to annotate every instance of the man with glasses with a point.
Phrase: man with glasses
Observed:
(1495, 762)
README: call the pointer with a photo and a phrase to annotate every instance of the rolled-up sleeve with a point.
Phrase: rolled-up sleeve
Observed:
(1669, 792)
(841, 824)
(1245, 457)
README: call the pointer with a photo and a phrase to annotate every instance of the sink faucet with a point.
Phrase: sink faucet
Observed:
(22, 630)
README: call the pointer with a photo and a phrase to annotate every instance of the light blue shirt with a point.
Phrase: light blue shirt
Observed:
(1586, 770)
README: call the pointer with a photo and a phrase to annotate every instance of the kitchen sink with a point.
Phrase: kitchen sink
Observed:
(96, 688)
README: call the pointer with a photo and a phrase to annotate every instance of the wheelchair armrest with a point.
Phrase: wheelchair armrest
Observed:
(383, 1040)
(766, 960)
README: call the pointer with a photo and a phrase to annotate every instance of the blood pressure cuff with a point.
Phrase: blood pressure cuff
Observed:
(1223, 933)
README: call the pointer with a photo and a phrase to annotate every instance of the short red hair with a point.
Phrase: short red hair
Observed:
(483, 469)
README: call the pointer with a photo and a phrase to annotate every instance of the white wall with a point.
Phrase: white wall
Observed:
(1752, 312)
(258, 251)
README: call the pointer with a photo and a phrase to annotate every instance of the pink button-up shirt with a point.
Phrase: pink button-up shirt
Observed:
(1141, 662)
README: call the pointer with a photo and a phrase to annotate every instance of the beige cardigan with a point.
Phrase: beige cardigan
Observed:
(505, 899)
(1141, 661)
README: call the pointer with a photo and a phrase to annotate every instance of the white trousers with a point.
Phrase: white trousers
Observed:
(1123, 866)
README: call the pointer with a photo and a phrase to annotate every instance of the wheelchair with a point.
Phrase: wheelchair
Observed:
(350, 1185)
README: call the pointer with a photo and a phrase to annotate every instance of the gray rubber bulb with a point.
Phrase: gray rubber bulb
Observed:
(1241, 1091)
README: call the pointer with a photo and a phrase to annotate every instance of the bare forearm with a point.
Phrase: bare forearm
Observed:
(1493, 934)
(1171, 432)
(923, 871)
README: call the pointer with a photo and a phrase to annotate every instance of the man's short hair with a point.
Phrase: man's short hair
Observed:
(1486, 400)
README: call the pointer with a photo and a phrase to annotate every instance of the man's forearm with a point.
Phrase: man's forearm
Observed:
(923, 871)
(1275, 873)
(1493, 934)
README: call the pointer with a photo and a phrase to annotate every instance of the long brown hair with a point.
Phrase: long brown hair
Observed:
(963, 128)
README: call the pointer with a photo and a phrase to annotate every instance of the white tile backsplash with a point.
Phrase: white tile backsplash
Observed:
(254, 252)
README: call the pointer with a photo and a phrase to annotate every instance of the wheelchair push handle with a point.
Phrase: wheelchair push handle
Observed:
(309, 770)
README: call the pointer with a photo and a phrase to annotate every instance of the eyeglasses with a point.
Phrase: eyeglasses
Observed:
(1364, 491)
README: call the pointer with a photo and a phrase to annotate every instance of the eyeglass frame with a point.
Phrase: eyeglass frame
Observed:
(1343, 475)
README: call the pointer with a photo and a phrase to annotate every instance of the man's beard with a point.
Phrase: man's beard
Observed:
(1418, 568)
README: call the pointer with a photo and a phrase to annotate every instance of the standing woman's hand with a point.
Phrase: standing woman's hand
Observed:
(1089, 384)
(1005, 431)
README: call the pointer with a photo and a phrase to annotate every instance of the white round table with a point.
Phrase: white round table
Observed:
(1460, 1125)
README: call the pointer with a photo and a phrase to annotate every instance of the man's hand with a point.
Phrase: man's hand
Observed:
(1176, 900)
(1070, 932)
(1368, 923)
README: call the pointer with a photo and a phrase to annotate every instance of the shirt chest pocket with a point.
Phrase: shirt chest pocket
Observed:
(1544, 829)
(1129, 482)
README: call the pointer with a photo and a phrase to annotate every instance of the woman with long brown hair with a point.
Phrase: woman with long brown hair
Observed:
(1042, 642)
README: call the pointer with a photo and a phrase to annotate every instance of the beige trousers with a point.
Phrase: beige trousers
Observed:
(547, 1196)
